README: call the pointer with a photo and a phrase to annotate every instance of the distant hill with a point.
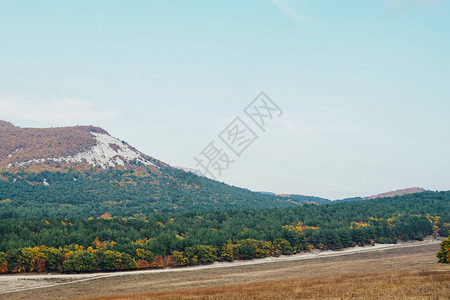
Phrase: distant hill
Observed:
(413, 190)
(401, 192)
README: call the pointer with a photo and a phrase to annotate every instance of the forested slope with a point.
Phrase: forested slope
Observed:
(110, 243)
(122, 193)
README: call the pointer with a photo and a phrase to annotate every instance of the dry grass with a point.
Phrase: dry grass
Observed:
(426, 285)
(390, 274)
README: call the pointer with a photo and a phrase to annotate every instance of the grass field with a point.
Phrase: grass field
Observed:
(401, 285)
(388, 274)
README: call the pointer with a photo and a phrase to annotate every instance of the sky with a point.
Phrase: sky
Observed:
(363, 85)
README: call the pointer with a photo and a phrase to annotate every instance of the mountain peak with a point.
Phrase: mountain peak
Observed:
(77, 146)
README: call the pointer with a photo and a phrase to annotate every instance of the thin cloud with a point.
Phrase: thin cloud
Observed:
(285, 7)
(52, 111)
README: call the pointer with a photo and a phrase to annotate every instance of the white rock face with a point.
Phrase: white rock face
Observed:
(107, 152)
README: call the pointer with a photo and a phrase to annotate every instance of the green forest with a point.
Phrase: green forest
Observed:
(124, 193)
(121, 242)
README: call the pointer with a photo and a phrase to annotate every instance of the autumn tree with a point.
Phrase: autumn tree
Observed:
(283, 246)
(12, 257)
(54, 259)
(180, 258)
(81, 261)
(3, 263)
(110, 260)
(201, 254)
(444, 254)
(128, 263)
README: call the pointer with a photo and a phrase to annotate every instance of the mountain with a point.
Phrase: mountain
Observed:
(78, 147)
(413, 190)
(408, 191)
(83, 170)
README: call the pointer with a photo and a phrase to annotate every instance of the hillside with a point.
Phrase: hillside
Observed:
(82, 170)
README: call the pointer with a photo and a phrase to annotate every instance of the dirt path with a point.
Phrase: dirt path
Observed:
(17, 283)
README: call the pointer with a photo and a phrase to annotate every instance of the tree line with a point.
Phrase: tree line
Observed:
(109, 242)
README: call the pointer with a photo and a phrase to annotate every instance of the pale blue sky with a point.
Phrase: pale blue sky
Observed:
(364, 85)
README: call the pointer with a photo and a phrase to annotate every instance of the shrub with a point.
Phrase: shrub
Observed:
(144, 254)
(54, 259)
(228, 252)
(12, 257)
(82, 261)
(110, 260)
(201, 254)
(283, 246)
(444, 254)
(3, 263)
(180, 258)
(32, 259)
(128, 262)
